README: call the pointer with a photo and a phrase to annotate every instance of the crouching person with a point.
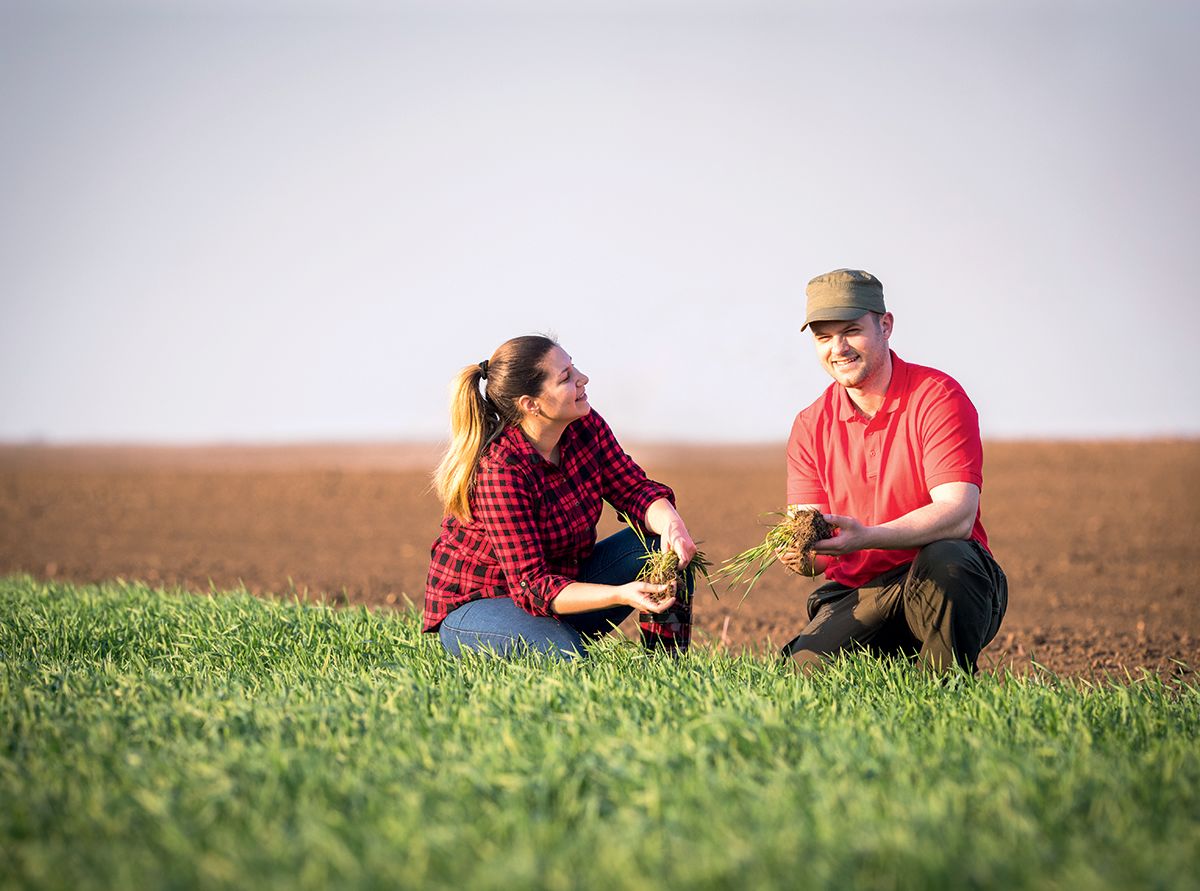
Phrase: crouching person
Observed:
(516, 566)
(891, 454)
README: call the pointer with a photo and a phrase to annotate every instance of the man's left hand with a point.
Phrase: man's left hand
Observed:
(851, 536)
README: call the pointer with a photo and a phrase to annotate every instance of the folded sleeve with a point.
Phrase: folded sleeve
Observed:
(505, 504)
(804, 484)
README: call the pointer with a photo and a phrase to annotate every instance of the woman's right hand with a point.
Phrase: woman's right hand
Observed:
(637, 595)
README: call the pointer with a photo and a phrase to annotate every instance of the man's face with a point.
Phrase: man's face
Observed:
(855, 352)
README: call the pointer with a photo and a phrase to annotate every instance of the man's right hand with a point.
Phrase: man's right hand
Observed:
(806, 564)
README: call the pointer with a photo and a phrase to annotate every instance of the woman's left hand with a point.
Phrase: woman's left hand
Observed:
(677, 538)
(663, 520)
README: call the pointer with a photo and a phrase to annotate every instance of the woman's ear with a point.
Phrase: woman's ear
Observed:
(528, 405)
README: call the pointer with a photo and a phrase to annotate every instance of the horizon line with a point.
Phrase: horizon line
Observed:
(430, 442)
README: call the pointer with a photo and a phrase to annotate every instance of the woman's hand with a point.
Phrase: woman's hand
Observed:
(677, 538)
(663, 519)
(637, 595)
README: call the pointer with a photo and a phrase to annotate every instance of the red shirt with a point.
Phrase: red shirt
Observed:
(533, 523)
(926, 434)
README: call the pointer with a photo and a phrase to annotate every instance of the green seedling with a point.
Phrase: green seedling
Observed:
(797, 531)
(662, 567)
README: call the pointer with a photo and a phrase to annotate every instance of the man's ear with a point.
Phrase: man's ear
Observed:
(886, 323)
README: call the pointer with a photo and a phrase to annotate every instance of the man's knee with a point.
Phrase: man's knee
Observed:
(948, 563)
(953, 601)
(804, 662)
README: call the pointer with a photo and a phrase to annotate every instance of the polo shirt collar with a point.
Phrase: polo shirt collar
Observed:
(892, 400)
(897, 386)
(846, 409)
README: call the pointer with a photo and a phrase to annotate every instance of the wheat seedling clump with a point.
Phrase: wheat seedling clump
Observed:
(797, 531)
(662, 568)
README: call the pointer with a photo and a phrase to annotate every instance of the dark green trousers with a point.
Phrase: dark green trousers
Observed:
(942, 609)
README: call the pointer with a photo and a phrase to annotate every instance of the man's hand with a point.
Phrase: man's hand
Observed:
(803, 563)
(851, 536)
(950, 514)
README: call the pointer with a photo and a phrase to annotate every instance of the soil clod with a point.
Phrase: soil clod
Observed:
(805, 528)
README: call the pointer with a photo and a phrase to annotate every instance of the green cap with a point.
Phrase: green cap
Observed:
(842, 295)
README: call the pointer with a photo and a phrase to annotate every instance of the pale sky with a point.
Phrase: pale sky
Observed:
(245, 221)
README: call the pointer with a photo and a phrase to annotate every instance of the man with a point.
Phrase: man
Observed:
(890, 453)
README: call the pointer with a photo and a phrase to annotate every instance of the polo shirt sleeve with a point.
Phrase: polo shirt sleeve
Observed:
(624, 484)
(803, 481)
(951, 451)
(504, 504)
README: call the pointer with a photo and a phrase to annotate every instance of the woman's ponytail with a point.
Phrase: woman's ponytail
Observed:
(514, 370)
(469, 430)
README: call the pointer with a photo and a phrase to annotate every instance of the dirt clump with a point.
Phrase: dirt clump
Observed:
(805, 528)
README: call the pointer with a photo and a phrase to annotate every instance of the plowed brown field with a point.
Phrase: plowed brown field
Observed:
(1101, 541)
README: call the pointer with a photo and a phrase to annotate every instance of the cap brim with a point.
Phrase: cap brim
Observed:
(834, 314)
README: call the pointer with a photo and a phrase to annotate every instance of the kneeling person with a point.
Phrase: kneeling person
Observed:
(891, 454)
(516, 566)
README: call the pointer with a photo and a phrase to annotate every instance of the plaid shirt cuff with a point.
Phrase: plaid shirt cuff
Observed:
(534, 595)
(641, 502)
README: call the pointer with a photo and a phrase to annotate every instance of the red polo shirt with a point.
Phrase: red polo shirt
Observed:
(926, 434)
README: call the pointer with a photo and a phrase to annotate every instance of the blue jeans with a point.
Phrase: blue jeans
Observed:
(497, 623)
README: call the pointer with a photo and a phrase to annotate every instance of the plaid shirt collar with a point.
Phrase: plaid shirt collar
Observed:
(514, 443)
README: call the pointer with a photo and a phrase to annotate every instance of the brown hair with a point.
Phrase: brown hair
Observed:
(476, 419)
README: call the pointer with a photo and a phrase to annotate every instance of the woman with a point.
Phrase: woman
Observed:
(517, 565)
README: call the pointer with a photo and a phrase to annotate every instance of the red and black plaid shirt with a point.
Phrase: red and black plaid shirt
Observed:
(533, 523)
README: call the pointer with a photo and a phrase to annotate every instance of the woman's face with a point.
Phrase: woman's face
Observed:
(564, 393)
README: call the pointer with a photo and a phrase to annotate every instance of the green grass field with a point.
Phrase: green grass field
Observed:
(157, 740)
